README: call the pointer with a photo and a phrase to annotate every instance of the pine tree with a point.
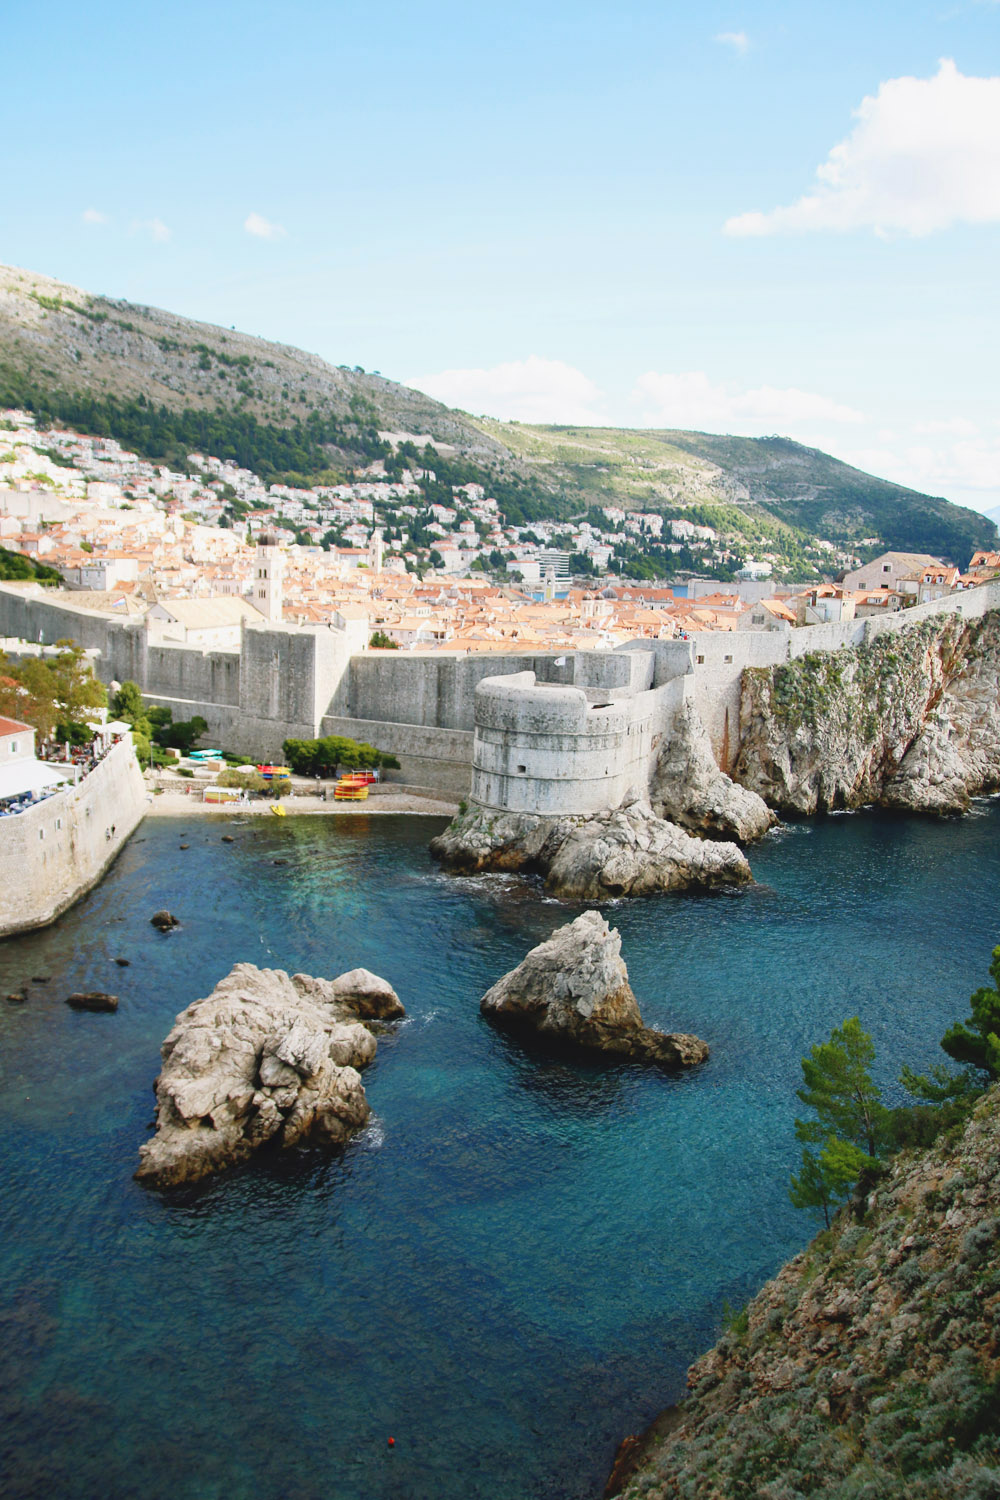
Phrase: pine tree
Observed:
(839, 1089)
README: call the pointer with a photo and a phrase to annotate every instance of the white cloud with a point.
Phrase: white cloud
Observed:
(949, 426)
(924, 155)
(93, 216)
(968, 464)
(735, 39)
(526, 390)
(262, 228)
(154, 228)
(690, 399)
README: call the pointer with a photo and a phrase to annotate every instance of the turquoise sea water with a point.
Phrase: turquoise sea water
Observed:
(512, 1267)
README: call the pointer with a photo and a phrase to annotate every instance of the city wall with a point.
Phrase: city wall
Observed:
(55, 851)
(289, 682)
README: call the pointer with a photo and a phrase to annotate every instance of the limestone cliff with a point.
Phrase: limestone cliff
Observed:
(869, 1366)
(910, 720)
(627, 852)
(688, 788)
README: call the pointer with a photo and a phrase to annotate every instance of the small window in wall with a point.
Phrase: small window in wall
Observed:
(522, 769)
(13, 747)
(700, 660)
(887, 567)
(58, 822)
(727, 658)
(41, 833)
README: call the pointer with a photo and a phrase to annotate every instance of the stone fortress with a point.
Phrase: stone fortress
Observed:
(551, 734)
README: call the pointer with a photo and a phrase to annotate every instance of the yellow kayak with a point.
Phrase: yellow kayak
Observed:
(278, 810)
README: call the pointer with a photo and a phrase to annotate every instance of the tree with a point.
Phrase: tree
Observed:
(44, 691)
(127, 703)
(826, 1176)
(182, 735)
(976, 1041)
(839, 1089)
(383, 642)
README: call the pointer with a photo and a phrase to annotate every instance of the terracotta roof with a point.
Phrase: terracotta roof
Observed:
(13, 726)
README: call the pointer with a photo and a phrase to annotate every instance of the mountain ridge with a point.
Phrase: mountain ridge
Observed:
(166, 385)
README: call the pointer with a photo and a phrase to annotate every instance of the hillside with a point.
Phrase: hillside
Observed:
(870, 1365)
(772, 479)
(166, 386)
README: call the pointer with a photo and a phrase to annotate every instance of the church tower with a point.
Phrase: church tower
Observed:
(376, 551)
(269, 565)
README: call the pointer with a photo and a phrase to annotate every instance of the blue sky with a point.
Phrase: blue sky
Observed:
(588, 211)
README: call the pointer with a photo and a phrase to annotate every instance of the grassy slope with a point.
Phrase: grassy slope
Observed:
(803, 488)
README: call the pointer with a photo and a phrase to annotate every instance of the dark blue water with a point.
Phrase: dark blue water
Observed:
(513, 1268)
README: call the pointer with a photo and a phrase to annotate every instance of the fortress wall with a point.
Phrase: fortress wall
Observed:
(436, 690)
(55, 851)
(25, 612)
(718, 659)
(440, 689)
(285, 681)
(438, 758)
(542, 748)
(193, 673)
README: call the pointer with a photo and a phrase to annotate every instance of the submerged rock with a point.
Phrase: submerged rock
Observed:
(574, 989)
(627, 852)
(263, 1058)
(92, 1000)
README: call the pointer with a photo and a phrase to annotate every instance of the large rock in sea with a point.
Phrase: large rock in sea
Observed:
(574, 989)
(626, 852)
(264, 1058)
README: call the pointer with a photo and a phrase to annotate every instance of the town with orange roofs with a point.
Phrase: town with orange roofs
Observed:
(131, 538)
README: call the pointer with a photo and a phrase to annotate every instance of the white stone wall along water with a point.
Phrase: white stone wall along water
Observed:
(55, 851)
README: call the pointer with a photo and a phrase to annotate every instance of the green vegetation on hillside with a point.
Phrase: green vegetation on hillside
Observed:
(821, 495)
(771, 480)
(165, 386)
(300, 452)
(14, 566)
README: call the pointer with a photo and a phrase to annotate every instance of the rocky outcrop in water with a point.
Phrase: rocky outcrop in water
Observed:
(870, 1365)
(574, 990)
(627, 852)
(687, 787)
(92, 1000)
(910, 720)
(263, 1059)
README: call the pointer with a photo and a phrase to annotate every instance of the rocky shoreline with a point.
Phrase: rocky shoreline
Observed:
(910, 721)
(870, 1365)
(626, 852)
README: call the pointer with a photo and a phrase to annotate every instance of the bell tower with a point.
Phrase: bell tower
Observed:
(269, 563)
